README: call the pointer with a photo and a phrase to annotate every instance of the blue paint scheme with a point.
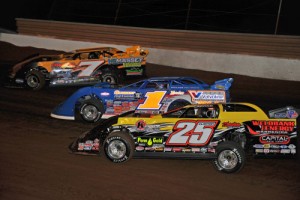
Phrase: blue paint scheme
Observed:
(138, 89)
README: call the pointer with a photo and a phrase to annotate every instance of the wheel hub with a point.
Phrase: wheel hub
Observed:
(116, 149)
(228, 159)
(32, 81)
(90, 112)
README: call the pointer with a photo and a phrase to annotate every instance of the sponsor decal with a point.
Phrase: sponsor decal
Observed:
(68, 65)
(132, 64)
(293, 151)
(124, 94)
(96, 145)
(280, 115)
(140, 125)
(291, 114)
(259, 146)
(104, 94)
(140, 148)
(56, 65)
(109, 103)
(167, 149)
(274, 139)
(274, 126)
(60, 81)
(266, 146)
(211, 150)
(88, 145)
(80, 146)
(177, 149)
(196, 150)
(213, 144)
(284, 146)
(149, 148)
(149, 141)
(115, 61)
(275, 146)
(231, 124)
(176, 93)
(186, 150)
(259, 150)
(292, 146)
(285, 151)
(118, 109)
(203, 150)
(207, 96)
(266, 150)
(274, 151)
(159, 149)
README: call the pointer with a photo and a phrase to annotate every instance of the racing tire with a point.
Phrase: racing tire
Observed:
(118, 147)
(110, 78)
(91, 110)
(35, 80)
(230, 157)
(144, 73)
(178, 104)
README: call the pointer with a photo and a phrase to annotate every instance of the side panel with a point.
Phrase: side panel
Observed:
(273, 137)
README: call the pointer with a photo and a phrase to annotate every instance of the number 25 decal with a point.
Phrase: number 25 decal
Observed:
(193, 133)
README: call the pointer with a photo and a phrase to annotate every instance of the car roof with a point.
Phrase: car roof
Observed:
(229, 103)
(167, 78)
(97, 49)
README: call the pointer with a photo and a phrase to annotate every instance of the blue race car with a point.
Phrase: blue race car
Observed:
(154, 95)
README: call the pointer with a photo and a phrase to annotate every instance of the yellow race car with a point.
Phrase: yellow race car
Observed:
(79, 67)
(221, 132)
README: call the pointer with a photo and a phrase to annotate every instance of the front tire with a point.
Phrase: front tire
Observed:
(230, 157)
(118, 147)
(35, 80)
(91, 110)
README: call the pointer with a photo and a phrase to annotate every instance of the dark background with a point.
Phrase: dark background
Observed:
(242, 16)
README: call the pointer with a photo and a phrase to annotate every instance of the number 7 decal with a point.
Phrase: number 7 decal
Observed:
(192, 133)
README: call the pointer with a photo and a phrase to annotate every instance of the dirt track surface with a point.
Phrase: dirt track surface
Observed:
(35, 163)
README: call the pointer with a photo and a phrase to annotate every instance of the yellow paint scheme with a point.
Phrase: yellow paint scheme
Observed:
(224, 116)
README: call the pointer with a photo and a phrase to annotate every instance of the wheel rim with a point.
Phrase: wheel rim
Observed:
(116, 149)
(228, 159)
(33, 81)
(110, 80)
(90, 113)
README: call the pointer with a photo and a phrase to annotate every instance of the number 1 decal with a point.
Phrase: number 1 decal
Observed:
(193, 133)
(153, 100)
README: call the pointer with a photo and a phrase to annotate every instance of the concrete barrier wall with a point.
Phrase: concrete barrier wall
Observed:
(281, 46)
(255, 66)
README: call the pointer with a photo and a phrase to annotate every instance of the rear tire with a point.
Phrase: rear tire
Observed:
(118, 147)
(110, 78)
(230, 157)
(35, 80)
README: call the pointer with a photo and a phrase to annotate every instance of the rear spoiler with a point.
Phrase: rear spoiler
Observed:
(288, 112)
(223, 84)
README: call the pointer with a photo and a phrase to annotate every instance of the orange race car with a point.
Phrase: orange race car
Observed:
(79, 67)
